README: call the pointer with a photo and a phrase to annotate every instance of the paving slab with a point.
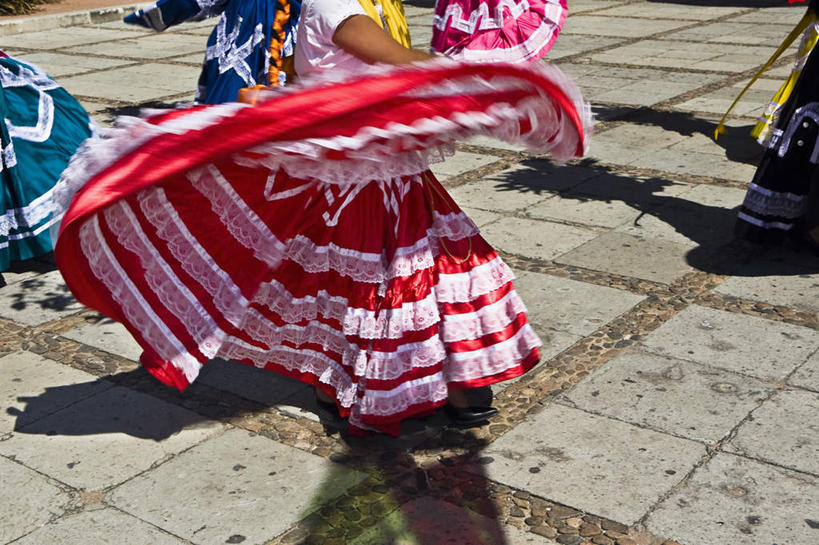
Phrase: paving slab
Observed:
(583, 209)
(647, 258)
(625, 469)
(775, 283)
(140, 83)
(489, 142)
(107, 439)
(742, 502)
(744, 344)
(461, 163)
(100, 527)
(249, 382)
(194, 59)
(656, 53)
(428, 520)
(701, 216)
(634, 86)
(58, 38)
(248, 485)
(520, 186)
(730, 32)
(109, 336)
(480, 217)
(637, 191)
(674, 396)
(751, 104)
(584, 6)
(152, 46)
(807, 376)
(60, 64)
(620, 27)
(784, 15)
(696, 12)
(783, 431)
(28, 500)
(37, 300)
(568, 305)
(533, 238)
(497, 194)
(570, 47)
(26, 377)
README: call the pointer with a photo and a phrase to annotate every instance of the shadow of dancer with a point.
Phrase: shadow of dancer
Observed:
(408, 494)
(709, 227)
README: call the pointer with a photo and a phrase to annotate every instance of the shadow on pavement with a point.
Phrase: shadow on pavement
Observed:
(401, 500)
(710, 227)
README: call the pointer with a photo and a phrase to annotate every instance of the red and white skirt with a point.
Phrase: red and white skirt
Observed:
(307, 237)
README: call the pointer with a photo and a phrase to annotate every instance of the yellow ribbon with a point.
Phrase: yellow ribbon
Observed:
(806, 20)
(394, 17)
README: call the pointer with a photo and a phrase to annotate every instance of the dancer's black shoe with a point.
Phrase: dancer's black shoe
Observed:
(470, 416)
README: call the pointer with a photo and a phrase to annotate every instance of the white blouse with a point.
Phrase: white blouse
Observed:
(315, 50)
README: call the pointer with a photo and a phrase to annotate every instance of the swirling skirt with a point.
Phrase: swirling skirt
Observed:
(323, 250)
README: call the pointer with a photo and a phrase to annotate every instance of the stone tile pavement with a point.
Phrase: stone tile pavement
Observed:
(676, 402)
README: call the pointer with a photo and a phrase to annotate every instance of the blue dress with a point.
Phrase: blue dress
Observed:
(41, 126)
(238, 50)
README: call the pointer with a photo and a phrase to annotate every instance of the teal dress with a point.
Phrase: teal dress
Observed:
(41, 126)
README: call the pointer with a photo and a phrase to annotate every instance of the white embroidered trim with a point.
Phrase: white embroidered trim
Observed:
(774, 203)
(192, 257)
(320, 365)
(481, 19)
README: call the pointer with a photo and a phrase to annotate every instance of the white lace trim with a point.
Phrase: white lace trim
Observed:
(468, 286)
(193, 258)
(136, 309)
(392, 323)
(427, 389)
(408, 356)
(493, 359)
(240, 220)
(302, 360)
(174, 294)
(99, 152)
(488, 319)
(774, 203)
(373, 153)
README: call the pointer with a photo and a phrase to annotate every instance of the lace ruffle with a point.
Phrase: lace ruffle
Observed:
(176, 297)
(491, 318)
(493, 359)
(136, 310)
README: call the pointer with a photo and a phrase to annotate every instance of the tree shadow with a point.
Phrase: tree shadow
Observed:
(655, 201)
(739, 145)
(400, 500)
(28, 288)
(36, 265)
(445, 500)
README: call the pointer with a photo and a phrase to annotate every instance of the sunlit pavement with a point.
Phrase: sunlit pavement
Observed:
(678, 395)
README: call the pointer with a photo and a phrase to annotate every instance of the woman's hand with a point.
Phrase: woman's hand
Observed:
(361, 36)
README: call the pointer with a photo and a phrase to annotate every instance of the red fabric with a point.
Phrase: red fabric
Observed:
(381, 294)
